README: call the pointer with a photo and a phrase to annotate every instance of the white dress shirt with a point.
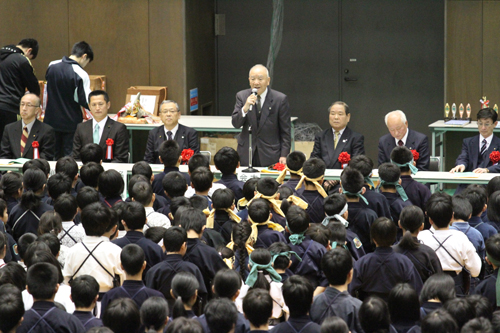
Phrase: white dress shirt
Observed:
(215, 186)
(403, 139)
(173, 130)
(102, 123)
(488, 141)
(30, 125)
(262, 99)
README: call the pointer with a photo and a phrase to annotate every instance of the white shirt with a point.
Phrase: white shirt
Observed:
(262, 99)
(340, 133)
(155, 219)
(459, 247)
(488, 141)
(215, 186)
(173, 130)
(62, 296)
(30, 125)
(75, 235)
(403, 139)
(108, 255)
(275, 292)
(101, 124)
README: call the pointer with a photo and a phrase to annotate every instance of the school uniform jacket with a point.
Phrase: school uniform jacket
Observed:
(267, 237)
(487, 288)
(232, 183)
(292, 184)
(302, 324)
(311, 253)
(242, 325)
(112, 130)
(54, 320)
(87, 319)
(22, 221)
(186, 137)
(485, 229)
(377, 202)
(414, 141)
(396, 204)
(40, 132)
(423, 258)
(135, 290)
(417, 192)
(315, 205)
(360, 220)
(157, 182)
(350, 142)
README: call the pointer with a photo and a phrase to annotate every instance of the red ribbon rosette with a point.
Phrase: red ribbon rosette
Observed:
(495, 157)
(344, 159)
(416, 155)
(35, 146)
(279, 166)
(186, 155)
(109, 149)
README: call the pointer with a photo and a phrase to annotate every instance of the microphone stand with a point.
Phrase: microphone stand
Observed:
(250, 168)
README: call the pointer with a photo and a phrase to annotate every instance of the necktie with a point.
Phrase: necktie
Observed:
(336, 139)
(24, 138)
(258, 104)
(96, 134)
(169, 135)
(483, 147)
(400, 143)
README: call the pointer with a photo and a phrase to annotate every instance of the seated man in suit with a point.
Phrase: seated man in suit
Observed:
(100, 129)
(400, 135)
(475, 155)
(186, 137)
(18, 137)
(331, 142)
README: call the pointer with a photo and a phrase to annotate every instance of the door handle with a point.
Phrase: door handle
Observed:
(349, 79)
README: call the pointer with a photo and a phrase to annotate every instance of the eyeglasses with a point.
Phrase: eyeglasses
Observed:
(484, 124)
(169, 111)
(29, 105)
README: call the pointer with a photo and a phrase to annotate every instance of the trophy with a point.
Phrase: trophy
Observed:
(454, 111)
(461, 111)
(447, 112)
(467, 111)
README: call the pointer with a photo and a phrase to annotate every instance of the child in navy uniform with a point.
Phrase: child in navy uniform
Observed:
(376, 201)
(111, 186)
(360, 216)
(313, 175)
(221, 315)
(265, 231)
(248, 194)
(258, 308)
(336, 300)
(84, 293)
(310, 251)
(391, 188)
(201, 181)
(11, 189)
(143, 168)
(267, 188)
(170, 156)
(222, 217)
(387, 266)
(174, 185)
(336, 210)
(476, 195)
(294, 163)
(68, 166)
(44, 316)
(282, 254)
(462, 210)
(11, 308)
(227, 161)
(488, 287)
(142, 192)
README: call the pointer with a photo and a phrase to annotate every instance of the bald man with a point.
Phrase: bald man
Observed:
(267, 112)
(401, 135)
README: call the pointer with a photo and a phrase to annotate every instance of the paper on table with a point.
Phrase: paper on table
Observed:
(148, 102)
(456, 122)
(465, 175)
(20, 161)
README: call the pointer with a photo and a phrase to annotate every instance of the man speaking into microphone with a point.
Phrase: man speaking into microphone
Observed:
(266, 111)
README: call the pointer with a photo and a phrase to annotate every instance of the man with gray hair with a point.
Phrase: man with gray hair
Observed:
(186, 137)
(401, 135)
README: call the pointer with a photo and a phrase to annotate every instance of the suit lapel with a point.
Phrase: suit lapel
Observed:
(179, 136)
(160, 136)
(474, 149)
(410, 141)
(494, 146)
(329, 141)
(266, 107)
(343, 141)
(105, 133)
(18, 132)
(31, 137)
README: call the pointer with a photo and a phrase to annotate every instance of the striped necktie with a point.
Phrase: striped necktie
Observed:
(483, 147)
(24, 138)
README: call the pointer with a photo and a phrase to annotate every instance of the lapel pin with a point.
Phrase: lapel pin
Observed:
(345, 140)
(183, 137)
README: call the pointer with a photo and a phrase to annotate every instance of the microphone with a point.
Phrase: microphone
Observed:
(254, 92)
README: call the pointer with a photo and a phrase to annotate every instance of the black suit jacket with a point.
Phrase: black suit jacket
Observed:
(271, 136)
(11, 141)
(186, 137)
(415, 141)
(112, 130)
(349, 141)
(470, 153)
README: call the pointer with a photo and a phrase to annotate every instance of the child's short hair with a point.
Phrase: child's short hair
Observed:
(193, 219)
(462, 209)
(267, 186)
(142, 168)
(298, 220)
(259, 210)
(383, 231)
(96, 219)
(493, 247)
(184, 287)
(402, 155)
(319, 233)
(174, 238)
(11, 307)
(493, 185)
(24, 242)
(494, 207)
(91, 152)
(439, 209)
(199, 202)
(403, 303)
(487, 113)
(39, 163)
(3, 206)
(389, 172)
(313, 168)
(184, 325)
(338, 232)
(440, 286)
(461, 310)
(66, 206)
(478, 324)
(132, 258)
(42, 280)
(134, 180)
(111, 183)
(67, 165)
(295, 160)
(202, 179)
(334, 203)
(336, 264)
(334, 324)
(177, 202)
(363, 164)
(154, 313)
(90, 172)
(174, 183)
(258, 306)
(84, 290)
(374, 315)
(227, 282)
(249, 188)
(3, 243)
(411, 219)
(298, 294)
(439, 321)
(196, 161)
(134, 215)
(13, 273)
(221, 315)
(226, 160)
(281, 261)
(169, 153)
(52, 241)
(155, 234)
(482, 306)
(143, 193)
(58, 184)
(86, 195)
(222, 198)
(476, 194)
(50, 222)
(352, 180)
(122, 316)
(11, 183)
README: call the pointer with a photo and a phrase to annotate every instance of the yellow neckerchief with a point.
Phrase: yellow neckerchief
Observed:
(297, 202)
(271, 198)
(211, 217)
(230, 261)
(206, 212)
(243, 202)
(269, 224)
(282, 175)
(319, 188)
